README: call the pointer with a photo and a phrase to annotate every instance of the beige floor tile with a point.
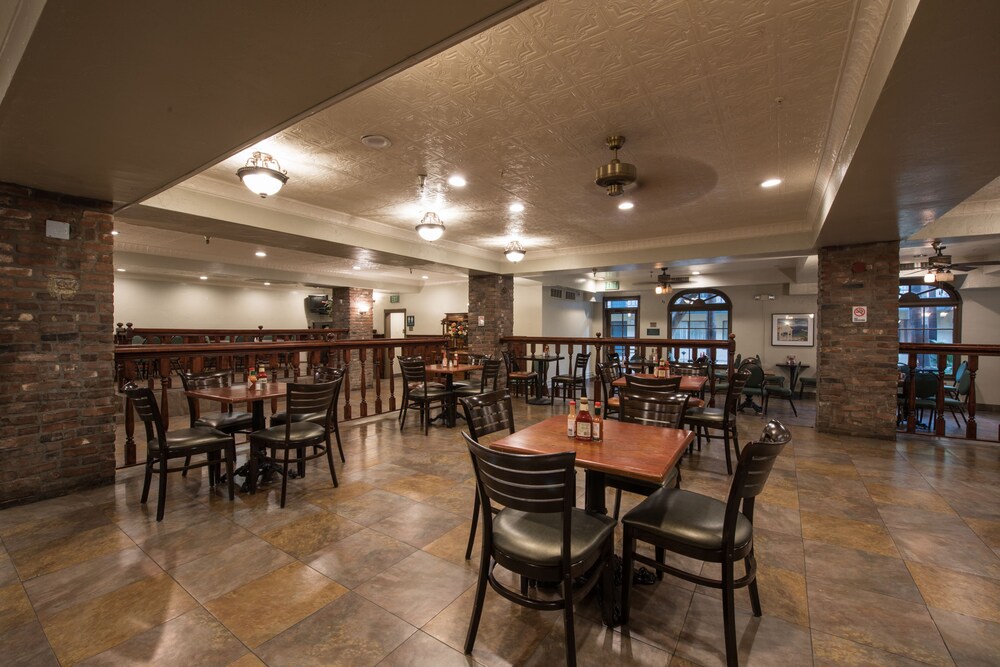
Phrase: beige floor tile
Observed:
(87, 629)
(65, 551)
(210, 576)
(27, 646)
(357, 558)
(596, 646)
(311, 533)
(418, 525)
(258, 610)
(972, 641)
(959, 592)
(848, 533)
(187, 544)
(422, 649)
(15, 608)
(831, 651)
(418, 587)
(854, 568)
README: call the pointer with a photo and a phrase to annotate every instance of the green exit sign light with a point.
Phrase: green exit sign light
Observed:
(610, 284)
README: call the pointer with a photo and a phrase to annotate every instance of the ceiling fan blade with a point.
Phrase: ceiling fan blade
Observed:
(969, 266)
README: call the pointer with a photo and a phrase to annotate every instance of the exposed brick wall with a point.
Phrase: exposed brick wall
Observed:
(57, 397)
(856, 387)
(492, 297)
(347, 305)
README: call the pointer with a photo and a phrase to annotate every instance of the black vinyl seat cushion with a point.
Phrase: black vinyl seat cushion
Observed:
(687, 518)
(429, 392)
(195, 440)
(537, 538)
(703, 414)
(301, 432)
(281, 417)
(226, 421)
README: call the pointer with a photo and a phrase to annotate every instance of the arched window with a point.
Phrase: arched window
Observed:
(701, 314)
(929, 313)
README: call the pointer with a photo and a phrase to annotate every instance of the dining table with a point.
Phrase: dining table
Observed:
(449, 371)
(638, 451)
(793, 370)
(541, 363)
(255, 396)
(690, 384)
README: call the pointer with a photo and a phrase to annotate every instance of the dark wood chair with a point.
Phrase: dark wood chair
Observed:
(578, 379)
(228, 421)
(299, 432)
(516, 378)
(421, 394)
(487, 413)
(781, 391)
(707, 529)
(488, 379)
(162, 446)
(663, 385)
(612, 402)
(722, 419)
(665, 410)
(321, 374)
(538, 535)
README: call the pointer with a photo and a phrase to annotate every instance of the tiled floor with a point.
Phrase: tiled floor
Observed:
(870, 552)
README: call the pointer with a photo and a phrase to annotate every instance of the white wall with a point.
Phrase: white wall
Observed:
(156, 304)
(427, 307)
(981, 324)
(567, 318)
(527, 306)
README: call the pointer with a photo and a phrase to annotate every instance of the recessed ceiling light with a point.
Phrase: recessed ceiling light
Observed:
(120, 270)
(626, 205)
(203, 278)
(114, 232)
(771, 182)
(516, 208)
(268, 284)
(456, 181)
(356, 267)
(376, 141)
(261, 253)
(696, 273)
(423, 277)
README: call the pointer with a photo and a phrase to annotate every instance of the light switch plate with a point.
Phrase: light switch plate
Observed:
(55, 229)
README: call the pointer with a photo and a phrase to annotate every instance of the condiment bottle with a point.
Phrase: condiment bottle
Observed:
(584, 421)
(252, 379)
(261, 376)
(597, 428)
(571, 420)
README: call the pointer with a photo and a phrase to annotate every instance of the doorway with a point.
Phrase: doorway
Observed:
(395, 327)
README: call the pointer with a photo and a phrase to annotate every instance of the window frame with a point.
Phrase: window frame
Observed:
(953, 300)
(624, 350)
(675, 308)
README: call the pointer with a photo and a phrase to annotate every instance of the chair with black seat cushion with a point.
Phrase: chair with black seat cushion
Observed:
(516, 378)
(321, 374)
(162, 446)
(699, 368)
(420, 393)
(488, 378)
(665, 410)
(612, 403)
(722, 419)
(755, 383)
(703, 528)
(538, 535)
(227, 421)
(486, 414)
(925, 387)
(806, 382)
(302, 429)
(578, 379)
(781, 391)
(664, 385)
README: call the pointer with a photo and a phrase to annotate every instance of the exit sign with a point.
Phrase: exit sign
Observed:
(610, 284)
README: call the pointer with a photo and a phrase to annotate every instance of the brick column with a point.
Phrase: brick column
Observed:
(348, 303)
(57, 389)
(856, 386)
(491, 296)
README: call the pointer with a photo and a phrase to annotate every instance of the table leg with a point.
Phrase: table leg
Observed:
(594, 492)
(543, 379)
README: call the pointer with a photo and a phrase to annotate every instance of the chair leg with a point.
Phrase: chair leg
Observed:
(187, 464)
(477, 606)
(472, 531)
(147, 479)
(161, 499)
(752, 586)
(329, 459)
(794, 411)
(661, 558)
(618, 502)
(729, 460)
(729, 614)
(628, 548)
(230, 461)
(252, 474)
(284, 475)
(568, 625)
(736, 441)
(340, 447)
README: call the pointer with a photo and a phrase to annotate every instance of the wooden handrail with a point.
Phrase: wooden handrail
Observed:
(124, 333)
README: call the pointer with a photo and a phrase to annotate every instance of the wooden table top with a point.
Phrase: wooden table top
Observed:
(540, 357)
(689, 383)
(454, 368)
(632, 450)
(239, 393)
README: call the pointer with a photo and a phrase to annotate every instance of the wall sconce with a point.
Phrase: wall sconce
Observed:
(363, 307)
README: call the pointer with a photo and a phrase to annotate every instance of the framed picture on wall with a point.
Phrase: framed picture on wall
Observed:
(794, 329)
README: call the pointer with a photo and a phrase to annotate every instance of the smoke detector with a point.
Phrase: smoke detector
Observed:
(615, 175)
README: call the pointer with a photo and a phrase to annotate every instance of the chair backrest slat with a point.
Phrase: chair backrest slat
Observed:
(736, 385)
(489, 375)
(754, 467)
(541, 484)
(665, 385)
(144, 402)
(488, 413)
(653, 408)
(303, 399)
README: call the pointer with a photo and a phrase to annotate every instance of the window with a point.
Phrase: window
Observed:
(929, 313)
(621, 317)
(700, 314)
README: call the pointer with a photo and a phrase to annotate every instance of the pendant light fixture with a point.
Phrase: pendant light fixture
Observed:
(430, 228)
(514, 251)
(262, 174)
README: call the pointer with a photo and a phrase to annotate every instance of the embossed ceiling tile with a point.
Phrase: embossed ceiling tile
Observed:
(736, 82)
(481, 132)
(611, 92)
(686, 100)
(735, 49)
(492, 95)
(556, 110)
(448, 113)
(597, 58)
(716, 17)
(586, 132)
(505, 47)
(410, 85)
(620, 12)
(799, 67)
(675, 68)
(558, 22)
(539, 77)
(818, 19)
(669, 28)
(752, 102)
(634, 119)
(456, 68)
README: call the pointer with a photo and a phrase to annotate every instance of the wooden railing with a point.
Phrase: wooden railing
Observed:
(972, 353)
(646, 348)
(362, 360)
(126, 333)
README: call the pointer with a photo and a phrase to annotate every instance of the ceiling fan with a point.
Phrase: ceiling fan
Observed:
(665, 282)
(939, 266)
